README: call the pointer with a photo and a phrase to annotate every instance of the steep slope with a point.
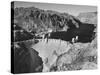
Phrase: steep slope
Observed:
(36, 20)
(88, 17)
(26, 59)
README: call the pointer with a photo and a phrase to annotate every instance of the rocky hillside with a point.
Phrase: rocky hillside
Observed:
(88, 17)
(25, 58)
(36, 20)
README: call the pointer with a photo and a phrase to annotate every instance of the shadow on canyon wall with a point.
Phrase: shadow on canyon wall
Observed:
(26, 60)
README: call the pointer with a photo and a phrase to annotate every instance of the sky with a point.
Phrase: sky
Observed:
(63, 8)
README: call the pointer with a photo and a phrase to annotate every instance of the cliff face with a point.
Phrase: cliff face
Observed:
(36, 20)
(88, 17)
(25, 59)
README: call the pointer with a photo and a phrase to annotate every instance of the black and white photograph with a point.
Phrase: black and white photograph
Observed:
(51, 37)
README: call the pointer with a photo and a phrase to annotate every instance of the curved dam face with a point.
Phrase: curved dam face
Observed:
(49, 50)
